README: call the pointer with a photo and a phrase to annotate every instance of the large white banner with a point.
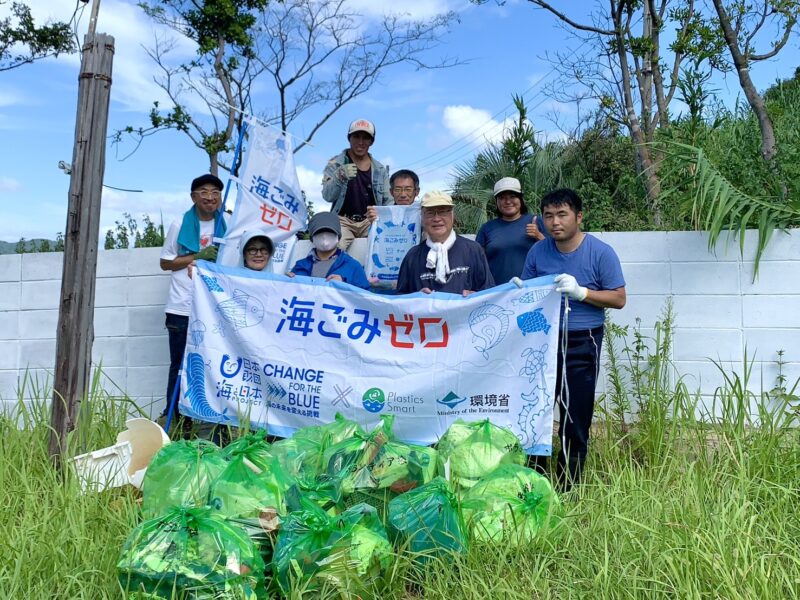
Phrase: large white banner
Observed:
(396, 230)
(286, 353)
(269, 195)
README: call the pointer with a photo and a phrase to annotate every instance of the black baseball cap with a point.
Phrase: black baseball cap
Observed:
(207, 178)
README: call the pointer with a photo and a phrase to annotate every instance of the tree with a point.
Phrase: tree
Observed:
(127, 232)
(740, 23)
(301, 56)
(632, 81)
(22, 42)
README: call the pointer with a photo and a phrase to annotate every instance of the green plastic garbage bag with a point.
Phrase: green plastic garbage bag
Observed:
(346, 553)
(257, 447)
(300, 457)
(427, 521)
(512, 504)
(331, 433)
(377, 462)
(245, 490)
(324, 491)
(475, 449)
(180, 475)
(190, 553)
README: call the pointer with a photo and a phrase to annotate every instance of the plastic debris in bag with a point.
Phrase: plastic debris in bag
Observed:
(511, 504)
(378, 461)
(181, 475)
(476, 449)
(302, 454)
(427, 521)
(190, 553)
(346, 553)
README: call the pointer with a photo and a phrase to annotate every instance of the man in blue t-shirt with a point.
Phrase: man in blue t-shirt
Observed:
(589, 276)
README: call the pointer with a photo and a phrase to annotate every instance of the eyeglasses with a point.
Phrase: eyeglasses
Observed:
(441, 212)
(208, 193)
(404, 190)
(256, 251)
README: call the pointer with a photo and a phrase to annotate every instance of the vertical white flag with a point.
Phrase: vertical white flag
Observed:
(269, 196)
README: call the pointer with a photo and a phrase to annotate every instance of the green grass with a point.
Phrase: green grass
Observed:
(671, 507)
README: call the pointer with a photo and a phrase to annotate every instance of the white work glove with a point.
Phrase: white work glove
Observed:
(348, 172)
(568, 285)
(516, 281)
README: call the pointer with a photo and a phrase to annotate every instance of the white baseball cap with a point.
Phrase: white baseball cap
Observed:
(361, 125)
(508, 184)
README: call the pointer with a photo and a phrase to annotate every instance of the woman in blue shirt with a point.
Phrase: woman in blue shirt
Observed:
(507, 239)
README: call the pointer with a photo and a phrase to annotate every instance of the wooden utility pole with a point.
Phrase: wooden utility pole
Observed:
(76, 310)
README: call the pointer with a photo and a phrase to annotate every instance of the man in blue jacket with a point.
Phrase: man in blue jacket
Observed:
(326, 259)
(353, 181)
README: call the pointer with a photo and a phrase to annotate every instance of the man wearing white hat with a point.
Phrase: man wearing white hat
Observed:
(444, 262)
(353, 181)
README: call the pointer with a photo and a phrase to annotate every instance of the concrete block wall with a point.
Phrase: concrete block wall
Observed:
(720, 312)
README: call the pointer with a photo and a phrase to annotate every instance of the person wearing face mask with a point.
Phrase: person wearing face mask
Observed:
(326, 259)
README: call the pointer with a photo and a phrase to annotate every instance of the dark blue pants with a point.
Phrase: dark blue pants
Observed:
(576, 400)
(177, 326)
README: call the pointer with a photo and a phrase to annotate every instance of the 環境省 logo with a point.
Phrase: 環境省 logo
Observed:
(451, 400)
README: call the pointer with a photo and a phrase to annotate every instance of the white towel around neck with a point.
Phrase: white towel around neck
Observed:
(437, 256)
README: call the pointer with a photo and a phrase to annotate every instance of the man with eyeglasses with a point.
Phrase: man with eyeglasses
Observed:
(353, 181)
(404, 188)
(190, 237)
(444, 262)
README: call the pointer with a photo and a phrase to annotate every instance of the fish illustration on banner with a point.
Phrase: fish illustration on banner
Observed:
(489, 325)
(243, 310)
(269, 196)
(295, 352)
(533, 321)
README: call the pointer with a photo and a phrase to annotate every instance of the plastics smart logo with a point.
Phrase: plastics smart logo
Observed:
(374, 400)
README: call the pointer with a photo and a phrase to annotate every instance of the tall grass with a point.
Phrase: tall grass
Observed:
(672, 506)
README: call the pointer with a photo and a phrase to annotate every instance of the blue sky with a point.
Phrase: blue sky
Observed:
(429, 121)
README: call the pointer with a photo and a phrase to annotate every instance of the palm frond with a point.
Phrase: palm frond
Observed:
(717, 205)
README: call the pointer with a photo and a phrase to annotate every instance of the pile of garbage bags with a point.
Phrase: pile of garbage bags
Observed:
(328, 510)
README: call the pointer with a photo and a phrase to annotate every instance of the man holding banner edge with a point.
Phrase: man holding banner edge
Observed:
(589, 275)
(189, 238)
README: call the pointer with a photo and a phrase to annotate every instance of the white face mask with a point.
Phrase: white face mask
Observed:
(325, 241)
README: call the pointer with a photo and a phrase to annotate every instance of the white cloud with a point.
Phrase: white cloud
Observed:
(158, 205)
(10, 98)
(311, 184)
(473, 124)
(9, 184)
(133, 70)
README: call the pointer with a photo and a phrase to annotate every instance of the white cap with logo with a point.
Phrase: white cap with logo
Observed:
(362, 125)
